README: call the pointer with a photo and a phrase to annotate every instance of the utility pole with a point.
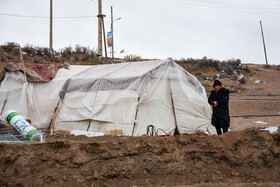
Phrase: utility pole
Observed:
(100, 18)
(263, 44)
(51, 24)
(112, 28)
(104, 38)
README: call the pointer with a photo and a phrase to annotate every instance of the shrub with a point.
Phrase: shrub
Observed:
(267, 66)
(242, 80)
(229, 66)
(10, 52)
(4, 59)
(246, 69)
(66, 51)
(133, 57)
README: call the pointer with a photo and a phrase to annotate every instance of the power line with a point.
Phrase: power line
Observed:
(236, 3)
(215, 3)
(46, 17)
(211, 6)
(236, 6)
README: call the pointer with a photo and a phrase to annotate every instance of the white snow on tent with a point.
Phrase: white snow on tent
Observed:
(127, 97)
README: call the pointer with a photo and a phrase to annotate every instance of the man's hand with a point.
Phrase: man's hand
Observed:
(215, 103)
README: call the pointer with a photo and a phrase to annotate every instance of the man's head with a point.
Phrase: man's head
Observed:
(217, 85)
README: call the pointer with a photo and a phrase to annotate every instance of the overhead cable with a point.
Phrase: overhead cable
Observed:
(46, 17)
(223, 6)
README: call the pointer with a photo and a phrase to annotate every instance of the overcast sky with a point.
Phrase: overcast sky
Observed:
(219, 29)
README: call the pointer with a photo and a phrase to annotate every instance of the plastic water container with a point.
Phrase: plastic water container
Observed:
(258, 81)
(22, 126)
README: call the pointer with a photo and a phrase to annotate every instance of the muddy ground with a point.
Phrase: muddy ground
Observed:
(246, 156)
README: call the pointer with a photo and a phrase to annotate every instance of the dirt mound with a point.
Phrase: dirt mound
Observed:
(77, 55)
(64, 160)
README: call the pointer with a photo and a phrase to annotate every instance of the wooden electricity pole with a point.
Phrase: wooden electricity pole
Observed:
(112, 28)
(104, 38)
(263, 44)
(100, 17)
(51, 24)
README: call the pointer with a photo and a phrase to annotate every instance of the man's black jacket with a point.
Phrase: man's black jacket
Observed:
(221, 110)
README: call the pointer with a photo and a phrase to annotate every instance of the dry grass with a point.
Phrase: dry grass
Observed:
(34, 54)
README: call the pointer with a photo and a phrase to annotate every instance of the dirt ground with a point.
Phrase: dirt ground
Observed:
(258, 103)
(246, 156)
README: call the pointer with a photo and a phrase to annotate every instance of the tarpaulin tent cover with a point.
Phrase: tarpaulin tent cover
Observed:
(125, 96)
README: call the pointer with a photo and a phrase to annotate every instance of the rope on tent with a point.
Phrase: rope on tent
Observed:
(151, 131)
(161, 130)
(52, 122)
(136, 112)
(22, 62)
(173, 107)
(208, 132)
(89, 124)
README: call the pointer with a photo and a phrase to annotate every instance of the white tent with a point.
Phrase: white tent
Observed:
(127, 97)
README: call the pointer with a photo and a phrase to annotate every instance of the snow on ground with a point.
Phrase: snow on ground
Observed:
(271, 129)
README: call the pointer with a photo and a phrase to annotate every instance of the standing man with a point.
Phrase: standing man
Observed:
(219, 98)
